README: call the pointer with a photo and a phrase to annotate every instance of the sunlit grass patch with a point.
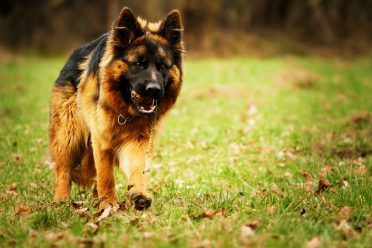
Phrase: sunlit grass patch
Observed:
(257, 152)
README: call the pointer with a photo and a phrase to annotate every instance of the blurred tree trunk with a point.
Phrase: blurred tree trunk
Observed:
(62, 24)
(113, 7)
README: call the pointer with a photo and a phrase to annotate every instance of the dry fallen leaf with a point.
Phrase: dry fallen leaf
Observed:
(360, 170)
(33, 185)
(92, 227)
(344, 213)
(213, 213)
(253, 224)
(306, 176)
(345, 184)
(246, 231)
(204, 244)
(13, 187)
(53, 236)
(313, 243)
(86, 242)
(147, 235)
(325, 171)
(303, 212)
(78, 204)
(272, 209)
(346, 229)
(234, 148)
(81, 211)
(288, 175)
(22, 209)
(105, 213)
(323, 185)
(17, 156)
(275, 189)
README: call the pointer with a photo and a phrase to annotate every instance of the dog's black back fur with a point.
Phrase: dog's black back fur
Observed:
(70, 73)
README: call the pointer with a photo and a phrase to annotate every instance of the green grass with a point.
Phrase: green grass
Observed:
(240, 138)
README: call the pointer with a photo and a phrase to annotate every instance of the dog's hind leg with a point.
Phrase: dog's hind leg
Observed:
(67, 138)
(84, 174)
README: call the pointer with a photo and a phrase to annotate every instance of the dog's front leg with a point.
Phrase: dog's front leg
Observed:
(104, 162)
(132, 163)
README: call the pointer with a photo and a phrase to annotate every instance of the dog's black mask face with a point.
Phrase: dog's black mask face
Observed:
(149, 56)
(148, 73)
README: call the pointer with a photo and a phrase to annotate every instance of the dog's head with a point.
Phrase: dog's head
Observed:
(144, 60)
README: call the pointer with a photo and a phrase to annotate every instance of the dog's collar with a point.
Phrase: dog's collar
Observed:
(123, 120)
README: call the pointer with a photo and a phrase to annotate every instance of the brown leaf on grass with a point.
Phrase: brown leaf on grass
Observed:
(275, 189)
(306, 176)
(235, 149)
(345, 184)
(17, 156)
(303, 212)
(3, 196)
(81, 211)
(53, 236)
(313, 243)
(124, 237)
(288, 175)
(92, 227)
(78, 204)
(253, 224)
(247, 231)
(298, 77)
(346, 229)
(33, 233)
(272, 209)
(22, 209)
(125, 205)
(212, 213)
(203, 244)
(360, 170)
(86, 242)
(323, 185)
(33, 185)
(325, 171)
(147, 235)
(13, 187)
(13, 193)
(344, 213)
(105, 213)
(362, 118)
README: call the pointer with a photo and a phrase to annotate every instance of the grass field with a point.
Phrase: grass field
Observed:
(271, 152)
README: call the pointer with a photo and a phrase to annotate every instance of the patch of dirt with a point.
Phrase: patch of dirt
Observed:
(354, 141)
(231, 92)
(361, 120)
(298, 78)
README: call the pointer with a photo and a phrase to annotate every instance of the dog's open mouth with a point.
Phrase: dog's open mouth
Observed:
(145, 105)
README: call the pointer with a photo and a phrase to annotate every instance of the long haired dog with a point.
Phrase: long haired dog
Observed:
(104, 104)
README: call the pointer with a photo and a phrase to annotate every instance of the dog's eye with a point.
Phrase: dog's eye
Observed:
(138, 64)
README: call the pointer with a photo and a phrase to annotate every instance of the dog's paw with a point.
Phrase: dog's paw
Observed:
(141, 200)
(105, 204)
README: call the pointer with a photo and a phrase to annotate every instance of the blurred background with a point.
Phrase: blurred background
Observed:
(224, 27)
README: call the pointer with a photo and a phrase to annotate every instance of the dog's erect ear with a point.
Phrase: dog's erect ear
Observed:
(126, 28)
(171, 28)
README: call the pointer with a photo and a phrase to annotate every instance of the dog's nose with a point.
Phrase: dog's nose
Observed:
(154, 90)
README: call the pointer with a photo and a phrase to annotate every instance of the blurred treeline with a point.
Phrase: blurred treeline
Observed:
(226, 26)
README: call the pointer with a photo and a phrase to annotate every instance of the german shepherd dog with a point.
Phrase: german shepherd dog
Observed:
(104, 104)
